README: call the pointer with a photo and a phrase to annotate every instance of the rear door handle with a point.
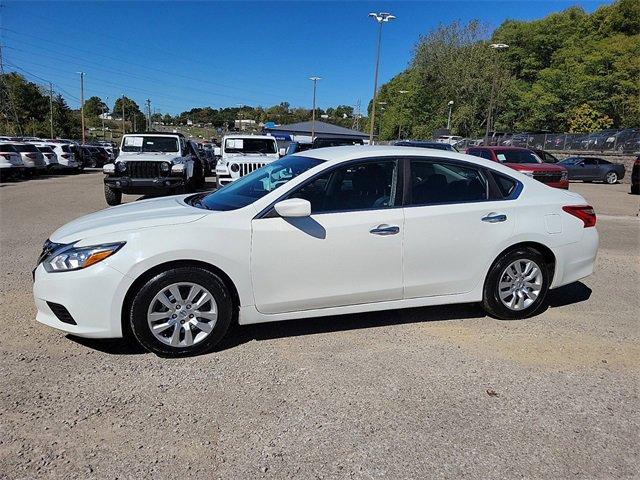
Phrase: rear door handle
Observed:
(385, 229)
(494, 218)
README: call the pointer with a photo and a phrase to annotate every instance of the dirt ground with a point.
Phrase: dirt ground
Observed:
(438, 392)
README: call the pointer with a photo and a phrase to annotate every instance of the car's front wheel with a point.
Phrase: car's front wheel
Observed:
(180, 312)
(112, 196)
(517, 284)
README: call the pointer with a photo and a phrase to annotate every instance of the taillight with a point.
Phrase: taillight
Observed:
(586, 213)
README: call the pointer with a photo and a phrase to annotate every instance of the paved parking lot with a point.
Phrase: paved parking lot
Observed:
(438, 392)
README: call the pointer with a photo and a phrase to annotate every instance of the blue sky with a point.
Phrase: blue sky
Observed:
(183, 54)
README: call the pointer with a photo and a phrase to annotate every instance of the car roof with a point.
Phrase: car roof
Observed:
(243, 136)
(499, 147)
(169, 134)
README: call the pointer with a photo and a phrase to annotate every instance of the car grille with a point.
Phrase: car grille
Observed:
(246, 168)
(143, 169)
(547, 177)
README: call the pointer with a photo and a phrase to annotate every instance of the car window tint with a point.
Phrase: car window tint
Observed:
(590, 161)
(441, 182)
(357, 186)
(505, 184)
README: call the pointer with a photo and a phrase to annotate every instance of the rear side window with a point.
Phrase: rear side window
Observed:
(26, 148)
(7, 148)
(434, 182)
(506, 185)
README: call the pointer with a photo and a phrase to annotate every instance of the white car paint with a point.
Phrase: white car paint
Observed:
(440, 256)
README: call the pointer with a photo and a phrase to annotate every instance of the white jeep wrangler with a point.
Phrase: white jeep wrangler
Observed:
(242, 154)
(151, 163)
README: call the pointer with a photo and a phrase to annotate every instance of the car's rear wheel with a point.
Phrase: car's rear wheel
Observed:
(180, 312)
(112, 196)
(517, 284)
(635, 189)
(611, 178)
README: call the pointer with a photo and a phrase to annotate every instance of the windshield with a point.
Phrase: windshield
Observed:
(517, 156)
(250, 145)
(256, 185)
(150, 144)
(26, 148)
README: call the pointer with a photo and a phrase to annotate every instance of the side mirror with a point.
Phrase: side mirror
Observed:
(293, 207)
(283, 152)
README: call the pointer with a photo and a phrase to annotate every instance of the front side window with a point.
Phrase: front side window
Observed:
(356, 186)
(150, 144)
(257, 184)
(434, 182)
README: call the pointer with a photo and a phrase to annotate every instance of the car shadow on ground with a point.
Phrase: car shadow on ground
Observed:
(240, 334)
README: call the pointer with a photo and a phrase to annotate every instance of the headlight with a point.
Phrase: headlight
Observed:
(121, 166)
(165, 167)
(70, 257)
(177, 168)
(234, 167)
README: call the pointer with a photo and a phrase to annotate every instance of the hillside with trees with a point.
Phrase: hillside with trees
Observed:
(568, 72)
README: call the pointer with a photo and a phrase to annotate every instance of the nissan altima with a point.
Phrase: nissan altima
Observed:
(323, 232)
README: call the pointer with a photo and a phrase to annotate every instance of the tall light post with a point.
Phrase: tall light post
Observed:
(381, 18)
(496, 47)
(82, 104)
(449, 117)
(104, 108)
(313, 112)
(382, 104)
(123, 131)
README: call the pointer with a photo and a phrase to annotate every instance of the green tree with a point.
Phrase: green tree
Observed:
(586, 119)
(94, 107)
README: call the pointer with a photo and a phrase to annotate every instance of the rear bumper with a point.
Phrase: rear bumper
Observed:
(576, 260)
(143, 185)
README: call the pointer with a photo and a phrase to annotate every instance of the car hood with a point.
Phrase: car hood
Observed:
(131, 216)
(536, 167)
(148, 157)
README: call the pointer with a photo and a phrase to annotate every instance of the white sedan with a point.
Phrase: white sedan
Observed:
(325, 232)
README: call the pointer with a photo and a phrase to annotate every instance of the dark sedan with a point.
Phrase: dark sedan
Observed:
(589, 169)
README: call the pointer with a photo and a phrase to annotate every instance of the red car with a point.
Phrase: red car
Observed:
(527, 162)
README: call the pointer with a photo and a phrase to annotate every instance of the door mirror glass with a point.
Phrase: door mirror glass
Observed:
(293, 207)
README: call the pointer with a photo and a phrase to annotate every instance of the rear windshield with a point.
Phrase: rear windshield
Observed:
(250, 145)
(7, 148)
(150, 144)
(517, 156)
(26, 148)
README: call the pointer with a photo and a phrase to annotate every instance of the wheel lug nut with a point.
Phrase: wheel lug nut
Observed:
(174, 316)
(177, 307)
(191, 316)
(188, 306)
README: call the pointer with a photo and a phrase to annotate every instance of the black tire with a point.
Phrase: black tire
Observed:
(201, 176)
(491, 301)
(112, 196)
(635, 189)
(191, 274)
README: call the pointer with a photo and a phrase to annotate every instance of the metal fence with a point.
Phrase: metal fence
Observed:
(621, 141)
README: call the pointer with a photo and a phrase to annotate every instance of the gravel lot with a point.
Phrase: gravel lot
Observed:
(400, 394)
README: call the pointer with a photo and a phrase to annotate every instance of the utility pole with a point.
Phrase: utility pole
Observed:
(123, 130)
(381, 18)
(313, 112)
(82, 104)
(449, 117)
(51, 107)
(496, 47)
(148, 101)
(103, 115)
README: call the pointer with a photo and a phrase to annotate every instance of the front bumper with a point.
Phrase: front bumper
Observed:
(92, 296)
(143, 185)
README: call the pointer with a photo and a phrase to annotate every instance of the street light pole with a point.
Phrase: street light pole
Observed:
(313, 112)
(123, 131)
(104, 104)
(495, 47)
(82, 104)
(381, 18)
(51, 106)
(449, 117)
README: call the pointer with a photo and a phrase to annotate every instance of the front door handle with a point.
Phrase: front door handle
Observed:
(494, 218)
(385, 229)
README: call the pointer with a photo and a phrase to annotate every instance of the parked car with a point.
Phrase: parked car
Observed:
(66, 158)
(421, 144)
(632, 145)
(327, 232)
(450, 139)
(525, 161)
(50, 156)
(11, 164)
(153, 162)
(242, 154)
(545, 156)
(635, 177)
(32, 158)
(589, 169)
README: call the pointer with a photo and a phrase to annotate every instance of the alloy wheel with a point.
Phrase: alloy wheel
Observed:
(520, 284)
(182, 314)
(611, 178)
